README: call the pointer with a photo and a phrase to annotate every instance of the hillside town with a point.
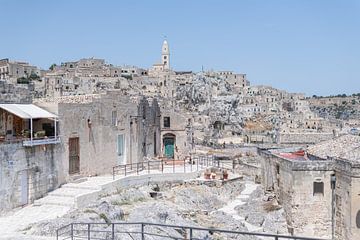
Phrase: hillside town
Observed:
(89, 141)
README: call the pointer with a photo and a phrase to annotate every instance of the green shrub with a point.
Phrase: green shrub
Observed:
(105, 218)
(23, 80)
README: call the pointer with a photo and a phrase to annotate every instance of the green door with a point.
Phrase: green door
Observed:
(169, 147)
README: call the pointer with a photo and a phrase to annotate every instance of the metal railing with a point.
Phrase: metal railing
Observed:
(145, 230)
(43, 141)
(171, 165)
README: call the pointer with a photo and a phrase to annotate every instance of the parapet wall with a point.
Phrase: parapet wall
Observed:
(27, 174)
(301, 138)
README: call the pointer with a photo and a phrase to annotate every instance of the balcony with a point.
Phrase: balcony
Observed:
(43, 141)
(28, 124)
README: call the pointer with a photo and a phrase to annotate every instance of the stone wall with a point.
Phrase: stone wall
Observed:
(10, 93)
(135, 120)
(30, 171)
(307, 214)
(347, 200)
(300, 138)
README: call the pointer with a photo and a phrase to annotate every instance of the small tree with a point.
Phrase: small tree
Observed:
(23, 80)
(34, 76)
(52, 66)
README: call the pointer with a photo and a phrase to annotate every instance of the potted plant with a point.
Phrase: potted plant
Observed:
(225, 174)
(25, 133)
(40, 134)
(207, 174)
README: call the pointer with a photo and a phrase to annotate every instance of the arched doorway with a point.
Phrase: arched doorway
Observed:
(169, 145)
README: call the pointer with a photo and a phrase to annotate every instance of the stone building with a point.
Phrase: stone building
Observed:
(132, 71)
(107, 131)
(318, 186)
(302, 187)
(13, 70)
(30, 161)
(237, 81)
(176, 134)
(347, 199)
(88, 76)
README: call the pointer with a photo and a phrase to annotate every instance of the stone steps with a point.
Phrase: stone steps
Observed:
(93, 187)
(56, 200)
(69, 192)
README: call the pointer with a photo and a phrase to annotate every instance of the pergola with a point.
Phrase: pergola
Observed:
(30, 112)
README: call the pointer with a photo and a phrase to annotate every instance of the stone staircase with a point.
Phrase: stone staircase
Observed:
(70, 193)
(84, 191)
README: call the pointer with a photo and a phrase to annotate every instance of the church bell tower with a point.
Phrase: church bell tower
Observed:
(165, 55)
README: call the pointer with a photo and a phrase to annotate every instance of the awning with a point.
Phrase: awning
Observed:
(27, 111)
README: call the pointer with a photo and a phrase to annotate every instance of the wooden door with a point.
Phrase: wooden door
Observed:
(74, 155)
(169, 147)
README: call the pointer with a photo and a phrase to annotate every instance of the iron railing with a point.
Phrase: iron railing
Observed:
(43, 141)
(144, 230)
(195, 162)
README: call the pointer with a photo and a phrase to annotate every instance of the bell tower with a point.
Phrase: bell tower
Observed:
(165, 55)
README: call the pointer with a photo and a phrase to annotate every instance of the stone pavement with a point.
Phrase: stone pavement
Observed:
(250, 187)
(12, 224)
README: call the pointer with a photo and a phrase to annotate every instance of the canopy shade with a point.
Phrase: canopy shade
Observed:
(27, 111)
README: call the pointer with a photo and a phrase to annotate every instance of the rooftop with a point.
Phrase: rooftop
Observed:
(342, 147)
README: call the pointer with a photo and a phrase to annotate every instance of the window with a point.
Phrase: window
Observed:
(165, 57)
(114, 118)
(120, 145)
(318, 188)
(167, 122)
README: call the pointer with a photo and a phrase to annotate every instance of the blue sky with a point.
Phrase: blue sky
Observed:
(310, 46)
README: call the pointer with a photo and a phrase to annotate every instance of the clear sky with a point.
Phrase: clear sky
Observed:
(310, 46)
